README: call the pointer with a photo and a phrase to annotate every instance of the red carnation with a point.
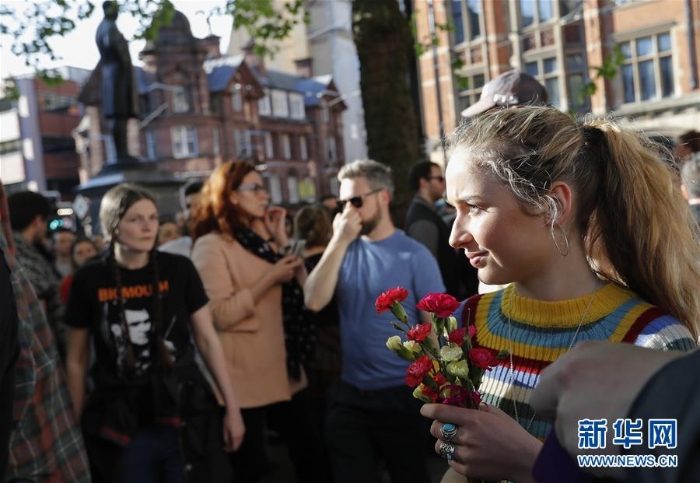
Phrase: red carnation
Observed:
(433, 395)
(476, 397)
(482, 358)
(384, 301)
(439, 379)
(417, 370)
(419, 332)
(441, 304)
(457, 336)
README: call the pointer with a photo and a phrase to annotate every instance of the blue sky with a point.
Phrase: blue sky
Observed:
(78, 48)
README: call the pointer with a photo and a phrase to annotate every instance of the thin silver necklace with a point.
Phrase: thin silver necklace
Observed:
(512, 366)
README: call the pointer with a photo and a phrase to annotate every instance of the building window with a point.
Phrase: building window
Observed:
(334, 185)
(275, 186)
(547, 72)
(241, 141)
(568, 6)
(527, 12)
(471, 94)
(286, 146)
(330, 149)
(108, 142)
(55, 102)
(303, 148)
(576, 81)
(466, 20)
(279, 104)
(264, 108)
(545, 9)
(150, 145)
(296, 106)
(541, 11)
(647, 71)
(236, 100)
(293, 188)
(180, 102)
(269, 147)
(184, 139)
(216, 148)
(324, 111)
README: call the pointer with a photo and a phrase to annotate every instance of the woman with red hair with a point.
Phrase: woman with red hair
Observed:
(255, 293)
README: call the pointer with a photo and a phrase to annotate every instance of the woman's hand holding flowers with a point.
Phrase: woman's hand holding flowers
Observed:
(489, 444)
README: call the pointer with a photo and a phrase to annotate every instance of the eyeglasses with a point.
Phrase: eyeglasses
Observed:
(254, 187)
(357, 201)
(439, 178)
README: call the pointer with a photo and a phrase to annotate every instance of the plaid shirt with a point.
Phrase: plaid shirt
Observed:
(39, 272)
(46, 445)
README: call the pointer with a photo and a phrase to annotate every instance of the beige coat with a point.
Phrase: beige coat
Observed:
(254, 344)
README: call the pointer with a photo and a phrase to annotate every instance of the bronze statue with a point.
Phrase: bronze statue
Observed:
(119, 95)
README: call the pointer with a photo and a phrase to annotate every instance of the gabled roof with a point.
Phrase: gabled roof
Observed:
(311, 88)
(314, 88)
(279, 80)
(220, 71)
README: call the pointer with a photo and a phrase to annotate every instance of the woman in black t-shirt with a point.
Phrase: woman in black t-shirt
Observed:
(150, 416)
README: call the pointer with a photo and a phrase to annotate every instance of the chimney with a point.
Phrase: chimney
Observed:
(252, 59)
(304, 67)
(211, 44)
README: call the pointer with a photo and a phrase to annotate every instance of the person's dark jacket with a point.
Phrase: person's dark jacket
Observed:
(458, 275)
(673, 393)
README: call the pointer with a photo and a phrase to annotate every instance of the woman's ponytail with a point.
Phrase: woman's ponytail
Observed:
(642, 225)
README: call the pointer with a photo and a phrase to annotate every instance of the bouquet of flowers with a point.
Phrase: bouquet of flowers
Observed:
(445, 366)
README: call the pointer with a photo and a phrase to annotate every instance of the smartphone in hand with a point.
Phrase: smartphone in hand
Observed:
(297, 248)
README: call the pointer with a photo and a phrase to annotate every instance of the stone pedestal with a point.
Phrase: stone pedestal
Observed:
(162, 184)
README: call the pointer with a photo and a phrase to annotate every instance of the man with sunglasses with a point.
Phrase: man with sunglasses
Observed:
(372, 415)
(424, 224)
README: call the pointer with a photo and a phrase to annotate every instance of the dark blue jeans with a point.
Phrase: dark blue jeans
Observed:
(153, 456)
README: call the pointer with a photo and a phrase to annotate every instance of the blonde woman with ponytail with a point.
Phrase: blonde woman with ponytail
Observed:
(150, 415)
(584, 224)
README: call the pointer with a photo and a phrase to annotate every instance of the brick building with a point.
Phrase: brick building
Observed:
(37, 150)
(561, 43)
(199, 109)
(323, 45)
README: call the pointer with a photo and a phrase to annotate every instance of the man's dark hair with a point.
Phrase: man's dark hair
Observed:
(691, 139)
(24, 208)
(62, 229)
(328, 197)
(424, 170)
(192, 188)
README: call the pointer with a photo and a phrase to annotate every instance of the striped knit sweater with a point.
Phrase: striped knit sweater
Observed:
(543, 331)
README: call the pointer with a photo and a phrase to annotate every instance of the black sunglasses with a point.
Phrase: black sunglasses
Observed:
(357, 201)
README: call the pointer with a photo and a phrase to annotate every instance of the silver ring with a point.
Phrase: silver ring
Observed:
(447, 450)
(448, 431)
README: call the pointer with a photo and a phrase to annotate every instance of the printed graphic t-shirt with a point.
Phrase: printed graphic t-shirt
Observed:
(93, 303)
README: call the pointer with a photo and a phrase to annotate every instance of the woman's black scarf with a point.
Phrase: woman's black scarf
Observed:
(299, 331)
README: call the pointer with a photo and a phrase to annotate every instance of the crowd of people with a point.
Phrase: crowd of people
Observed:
(173, 349)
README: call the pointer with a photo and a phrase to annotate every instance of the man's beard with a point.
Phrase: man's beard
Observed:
(368, 226)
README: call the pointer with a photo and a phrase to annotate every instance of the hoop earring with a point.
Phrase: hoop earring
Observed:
(556, 244)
